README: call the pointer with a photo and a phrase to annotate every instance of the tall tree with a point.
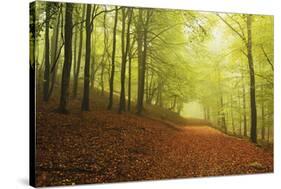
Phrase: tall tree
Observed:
(142, 41)
(111, 82)
(140, 61)
(125, 46)
(130, 56)
(244, 105)
(79, 57)
(105, 50)
(55, 52)
(46, 81)
(247, 41)
(67, 59)
(86, 95)
(252, 81)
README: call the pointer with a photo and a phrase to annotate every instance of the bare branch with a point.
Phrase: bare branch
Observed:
(164, 30)
(57, 58)
(239, 25)
(233, 29)
(267, 58)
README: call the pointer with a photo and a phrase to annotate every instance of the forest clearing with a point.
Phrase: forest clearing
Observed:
(127, 93)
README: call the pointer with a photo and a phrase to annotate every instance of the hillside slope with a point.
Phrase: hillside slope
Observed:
(104, 146)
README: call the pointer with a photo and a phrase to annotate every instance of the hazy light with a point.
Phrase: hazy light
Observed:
(193, 109)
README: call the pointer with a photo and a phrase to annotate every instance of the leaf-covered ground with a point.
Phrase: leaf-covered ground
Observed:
(103, 146)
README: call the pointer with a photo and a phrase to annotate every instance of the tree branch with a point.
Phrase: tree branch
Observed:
(57, 58)
(240, 27)
(267, 58)
(233, 29)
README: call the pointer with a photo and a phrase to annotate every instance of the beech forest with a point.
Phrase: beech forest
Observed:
(129, 93)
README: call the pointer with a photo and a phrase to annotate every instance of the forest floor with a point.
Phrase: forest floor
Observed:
(103, 146)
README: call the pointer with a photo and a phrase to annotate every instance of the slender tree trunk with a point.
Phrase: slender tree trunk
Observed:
(205, 113)
(129, 80)
(160, 89)
(252, 81)
(262, 114)
(244, 106)
(222, 113)
(144, 59)
(231, 114)
(130, 56)
(157, 95)
(75, 52)
(79, 57)
(93, 59)
(150, 87)
(86, 95)
(125, 49)
(174, 103)
(102, 78)
(142, 44)
(103, 62)
(140, 62)
(54, 54)
(146, 89)
(122, 102)
(47, 56)
(268, 134)
(111, 84)
(239, 112)
(67, 59)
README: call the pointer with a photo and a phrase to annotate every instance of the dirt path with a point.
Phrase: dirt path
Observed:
(103, 146)
(203, 151)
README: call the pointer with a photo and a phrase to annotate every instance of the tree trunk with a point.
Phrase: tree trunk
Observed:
(103, 62)
(111, 83)
(239, 112)
(244, 106)
(151, 90)
(140, 62)
(262, 115)
(54, 54)
(231, 114)
(102, 78)
(129, 79)
(122, 102)
(174, 102)
(248, 44)
(125, 49)
(221, 113)
(75, 52)
(93, 60)
(146, 86)
(159, 101)
(47, 56)
(268, 134)
(223, 122)
(252, 81)
(86, 95)
(130, 56)
(67, 59)
(77, 71)
(142, 51)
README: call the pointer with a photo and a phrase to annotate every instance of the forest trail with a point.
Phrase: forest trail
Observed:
(205, 151)
(103, 146)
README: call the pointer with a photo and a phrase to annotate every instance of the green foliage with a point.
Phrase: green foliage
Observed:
(191, 56)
